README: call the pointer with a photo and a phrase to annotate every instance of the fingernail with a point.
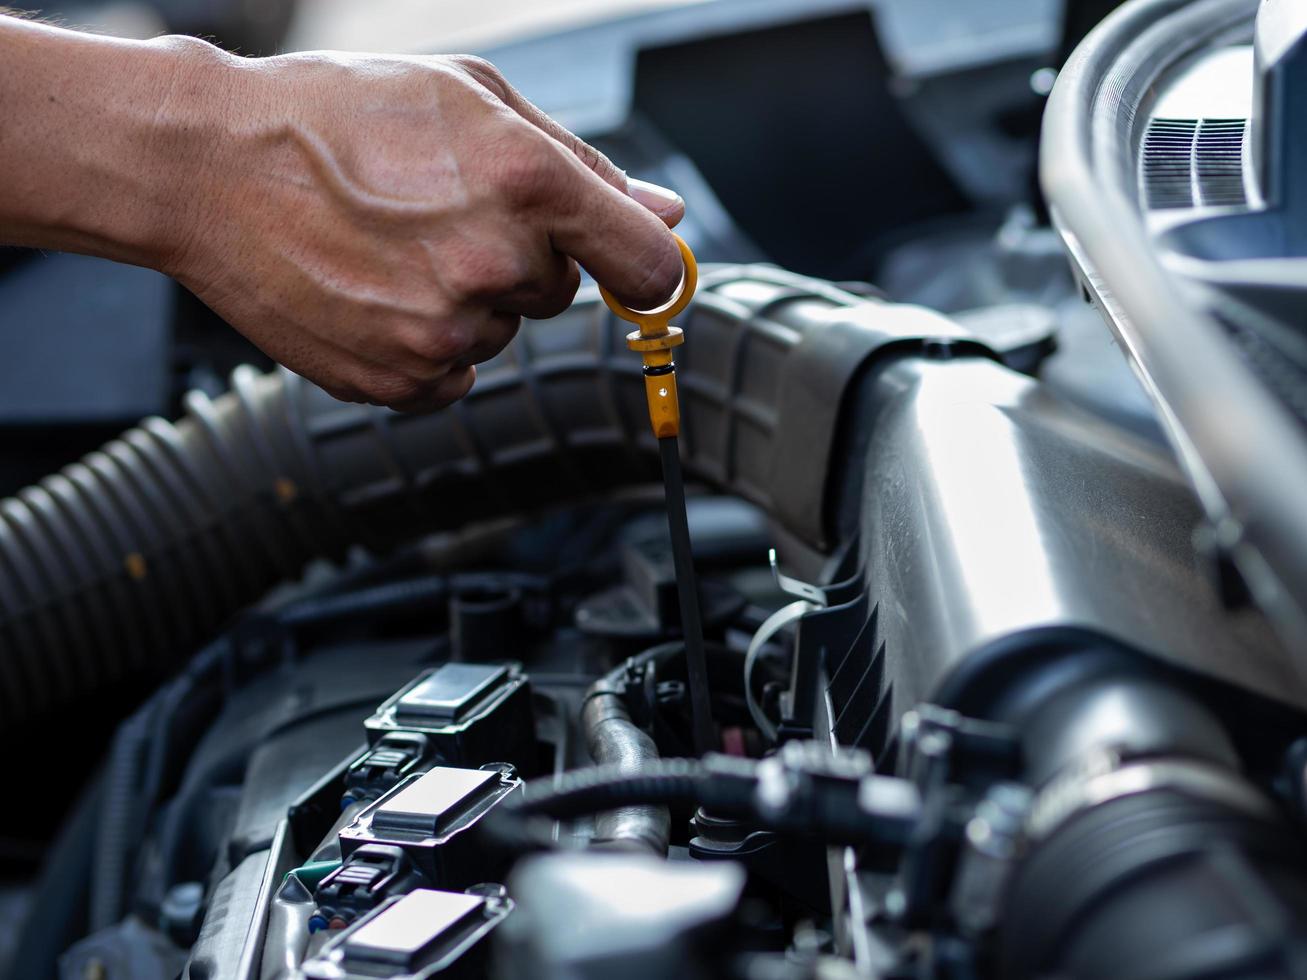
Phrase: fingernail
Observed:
(658, 199)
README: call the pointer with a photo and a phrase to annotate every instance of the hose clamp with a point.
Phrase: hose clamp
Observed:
(1105, 776)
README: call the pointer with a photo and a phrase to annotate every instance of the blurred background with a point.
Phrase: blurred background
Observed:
(266, 26)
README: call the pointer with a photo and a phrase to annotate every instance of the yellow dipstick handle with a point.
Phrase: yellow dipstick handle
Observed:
(654, 342)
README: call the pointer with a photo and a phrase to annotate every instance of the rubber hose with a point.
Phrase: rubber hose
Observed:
(523, 824)
(1133, 887)
(615, 740)
(406, 595)
(121, 809)
(872, 809)
(121, 564)
(689, 782)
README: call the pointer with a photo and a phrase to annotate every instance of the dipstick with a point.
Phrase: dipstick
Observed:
(654, 341)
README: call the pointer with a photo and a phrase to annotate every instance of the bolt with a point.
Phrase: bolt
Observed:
(487, 889)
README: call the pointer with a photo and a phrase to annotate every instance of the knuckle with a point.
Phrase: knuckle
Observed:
(482, 70)
(559, 298)
(389, 389)
(529, 172)
(439, 345)
(489, 272)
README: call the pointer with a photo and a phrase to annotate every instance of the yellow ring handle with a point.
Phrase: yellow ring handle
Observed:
(653, 323)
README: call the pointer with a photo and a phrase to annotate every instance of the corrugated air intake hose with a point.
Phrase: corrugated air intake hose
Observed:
(127, 560)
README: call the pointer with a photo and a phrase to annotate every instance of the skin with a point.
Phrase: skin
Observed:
(378, 224)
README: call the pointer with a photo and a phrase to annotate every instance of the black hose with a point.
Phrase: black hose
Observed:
(122, 564)
(803, 789)
(1132, 887)
(122, 813)
(407, 595)
(666, 782)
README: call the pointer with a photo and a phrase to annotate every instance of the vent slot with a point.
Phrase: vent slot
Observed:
(1168, 163)
(849, 675)
(861, 697)
(875, 732)
(1218, 162)
(1190, 163)
(861, 704)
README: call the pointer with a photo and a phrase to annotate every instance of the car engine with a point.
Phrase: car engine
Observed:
(993, 401)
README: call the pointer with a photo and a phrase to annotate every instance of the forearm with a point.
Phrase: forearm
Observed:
(98, 136)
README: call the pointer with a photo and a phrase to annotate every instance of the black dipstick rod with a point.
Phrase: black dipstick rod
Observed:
(654, 342)
(687, 591)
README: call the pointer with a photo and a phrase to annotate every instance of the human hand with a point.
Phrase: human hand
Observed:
(380, 224)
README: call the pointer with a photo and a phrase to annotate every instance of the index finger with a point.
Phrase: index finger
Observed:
(628, 250)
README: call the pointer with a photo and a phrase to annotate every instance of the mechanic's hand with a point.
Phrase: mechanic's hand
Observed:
(377, 224)
(380, 224)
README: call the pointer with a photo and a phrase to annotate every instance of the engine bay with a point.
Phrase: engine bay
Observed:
(1000, 601)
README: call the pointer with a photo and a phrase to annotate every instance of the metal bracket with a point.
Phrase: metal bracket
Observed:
(792, 586)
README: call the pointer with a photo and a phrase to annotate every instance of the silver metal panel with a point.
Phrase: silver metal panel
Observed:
(992, 508)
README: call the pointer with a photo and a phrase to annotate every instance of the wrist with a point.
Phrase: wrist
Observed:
(179, 130)
(106, 139)
(173, 135)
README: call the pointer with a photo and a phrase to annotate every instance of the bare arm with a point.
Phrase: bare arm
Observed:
(378, 224)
